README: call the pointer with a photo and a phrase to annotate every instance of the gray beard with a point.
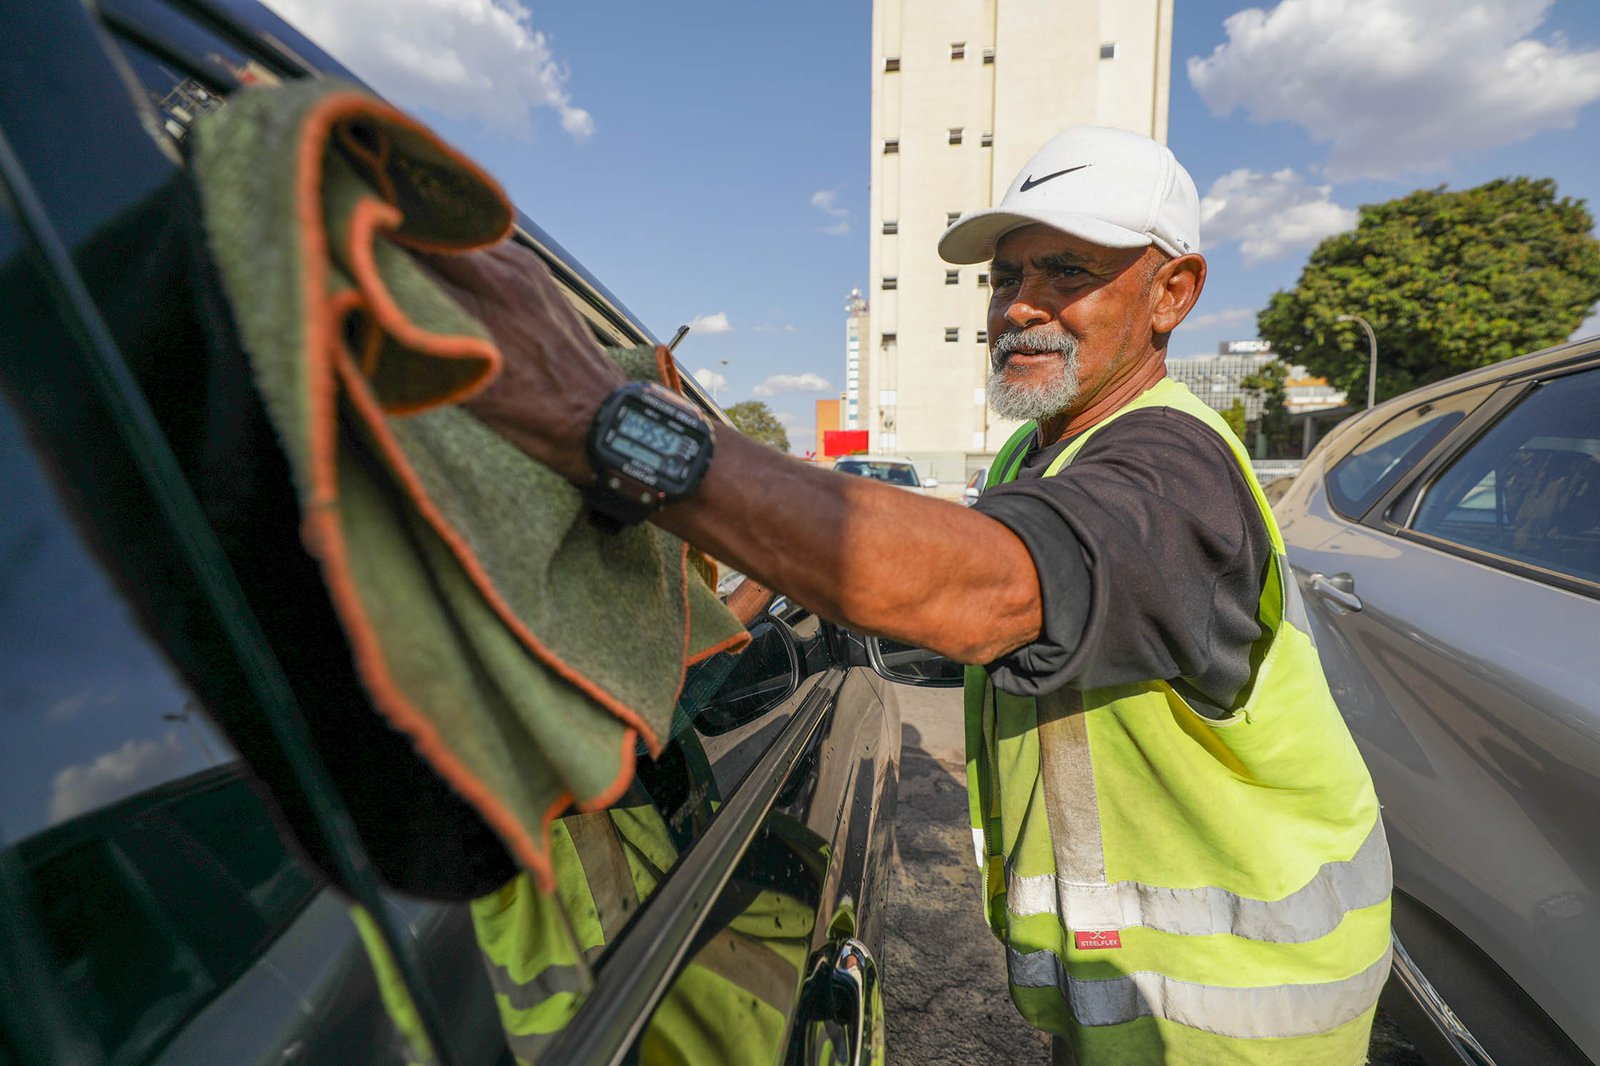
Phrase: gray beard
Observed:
(1030, 402)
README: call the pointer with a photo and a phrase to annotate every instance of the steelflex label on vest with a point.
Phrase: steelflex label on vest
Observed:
(1096, 939)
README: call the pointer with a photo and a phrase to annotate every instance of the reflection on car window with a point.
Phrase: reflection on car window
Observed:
(1373, 466)
(894, 473)
(1529, 489)
(540, 950)
(153, 906)
(154, 878)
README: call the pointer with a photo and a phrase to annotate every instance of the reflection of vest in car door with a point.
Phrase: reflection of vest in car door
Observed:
(1175, 883)
(728, 1006)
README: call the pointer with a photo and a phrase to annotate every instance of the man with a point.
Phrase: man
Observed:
(1181, 846)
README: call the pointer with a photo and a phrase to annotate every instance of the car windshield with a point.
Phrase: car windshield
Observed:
(893, 473)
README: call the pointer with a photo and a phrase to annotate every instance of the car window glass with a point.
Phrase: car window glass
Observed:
(1374, 465)
(893, 473)
(1529, 489)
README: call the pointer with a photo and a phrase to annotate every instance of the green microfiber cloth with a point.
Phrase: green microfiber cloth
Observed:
(526, 653)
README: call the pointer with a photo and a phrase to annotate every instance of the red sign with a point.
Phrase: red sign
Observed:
(843, 442)
(1096, 939)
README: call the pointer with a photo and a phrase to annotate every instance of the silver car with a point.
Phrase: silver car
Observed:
(1447, 545)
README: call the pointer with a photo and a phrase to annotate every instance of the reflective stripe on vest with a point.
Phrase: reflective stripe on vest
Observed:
(1310, 913)
(1241, 1013)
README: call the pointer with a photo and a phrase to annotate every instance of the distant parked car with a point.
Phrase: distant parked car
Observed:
(1447, 544)
(895, 471)
(974, 489)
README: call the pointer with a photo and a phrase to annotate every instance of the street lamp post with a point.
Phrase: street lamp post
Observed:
(1372, 347)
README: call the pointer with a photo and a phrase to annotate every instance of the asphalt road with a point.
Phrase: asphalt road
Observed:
(944, 973)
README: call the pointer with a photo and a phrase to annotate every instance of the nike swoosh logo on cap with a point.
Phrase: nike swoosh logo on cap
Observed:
(1029, 181)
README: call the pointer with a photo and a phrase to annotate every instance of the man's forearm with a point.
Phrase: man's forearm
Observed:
(866, 555)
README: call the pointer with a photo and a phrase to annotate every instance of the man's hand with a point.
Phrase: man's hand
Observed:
(555, 374)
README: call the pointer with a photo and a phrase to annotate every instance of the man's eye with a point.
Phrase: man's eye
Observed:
(1003, 281)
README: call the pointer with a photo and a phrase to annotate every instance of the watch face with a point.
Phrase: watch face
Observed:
(658, 444)
(653, 441)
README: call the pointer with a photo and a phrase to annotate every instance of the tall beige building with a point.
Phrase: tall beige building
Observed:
(963, 93)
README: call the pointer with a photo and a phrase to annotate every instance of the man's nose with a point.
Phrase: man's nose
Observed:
(1023, 314)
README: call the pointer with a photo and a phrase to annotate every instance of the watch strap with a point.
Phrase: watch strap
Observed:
(613, 507)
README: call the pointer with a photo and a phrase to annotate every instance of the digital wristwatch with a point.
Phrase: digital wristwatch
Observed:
(648, 449)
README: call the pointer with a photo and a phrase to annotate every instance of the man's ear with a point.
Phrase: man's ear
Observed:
(1175, 289)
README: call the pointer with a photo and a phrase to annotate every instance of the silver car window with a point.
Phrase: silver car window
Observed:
(1529, 489)
(1374, 466)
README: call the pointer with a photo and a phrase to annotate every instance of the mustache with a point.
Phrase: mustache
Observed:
(1047, 338)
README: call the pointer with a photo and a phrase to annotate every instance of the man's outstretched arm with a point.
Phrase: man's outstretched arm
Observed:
(865, 555)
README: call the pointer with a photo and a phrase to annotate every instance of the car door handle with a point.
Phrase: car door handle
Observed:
(842, 988)
(1336, 588)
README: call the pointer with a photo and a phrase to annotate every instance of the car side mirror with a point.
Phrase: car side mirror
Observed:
(931, 483)
(732, 689)
(910, 665)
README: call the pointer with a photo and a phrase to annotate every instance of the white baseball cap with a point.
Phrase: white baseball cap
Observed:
(1110, 187)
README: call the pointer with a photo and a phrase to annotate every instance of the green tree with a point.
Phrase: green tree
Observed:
(756, 420)
(1271, 427)
(1449, 281)
(1234, 416)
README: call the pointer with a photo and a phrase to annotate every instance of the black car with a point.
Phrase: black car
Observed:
(195, 866)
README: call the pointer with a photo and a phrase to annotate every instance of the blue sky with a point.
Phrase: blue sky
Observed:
(710, 161)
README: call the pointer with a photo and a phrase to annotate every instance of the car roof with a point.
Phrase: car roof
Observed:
(1534, 364)
(874, 459)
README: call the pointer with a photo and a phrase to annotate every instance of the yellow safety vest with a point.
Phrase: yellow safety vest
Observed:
(1175, 888)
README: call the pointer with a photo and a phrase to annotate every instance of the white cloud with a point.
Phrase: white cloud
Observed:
(135, 766)
(711, 380)
(1398, 86)
(769, 327)
(717, 323)
(66, 709)
(1270, 214)
(792, 383)
(826, 201)
(477, 59)
(1232, 316)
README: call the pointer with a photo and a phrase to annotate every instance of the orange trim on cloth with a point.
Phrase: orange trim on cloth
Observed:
(333, 365)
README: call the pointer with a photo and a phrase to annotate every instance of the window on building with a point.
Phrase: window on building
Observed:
(988, 55)
(1108, 50)
(952, 217)
(891, 227)
(958, 50)
(891, 282)
(891, 64)
(952, 333)
(955, 134)
(887, 341)
(891, 146)
(983, 336)
(983, 279)
(952, 277)
(988, 138)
